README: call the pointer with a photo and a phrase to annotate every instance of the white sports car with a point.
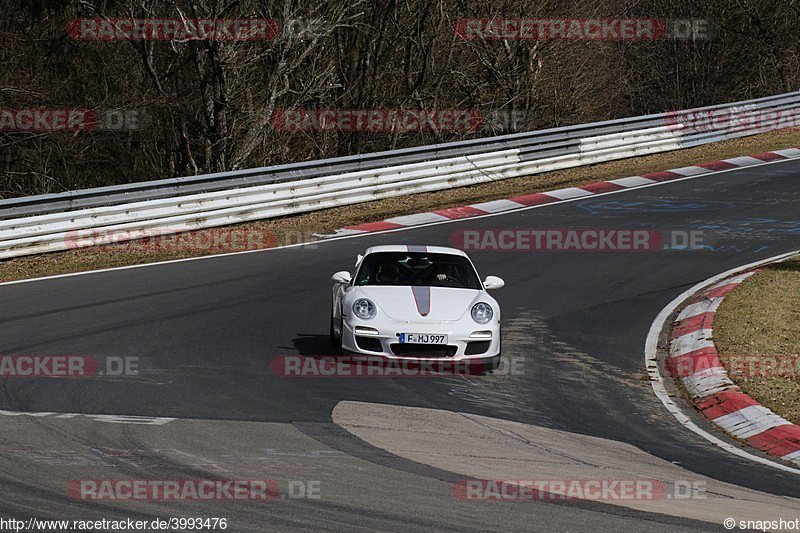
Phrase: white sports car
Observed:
(416, 302)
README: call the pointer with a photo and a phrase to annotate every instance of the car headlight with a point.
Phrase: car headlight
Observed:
(482, 313)
(363, 309)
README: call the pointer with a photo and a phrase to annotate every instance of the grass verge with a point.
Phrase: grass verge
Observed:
(757, 334)
(300, 228)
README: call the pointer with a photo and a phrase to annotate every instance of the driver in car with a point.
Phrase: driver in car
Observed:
(444, 272)
(387, 274)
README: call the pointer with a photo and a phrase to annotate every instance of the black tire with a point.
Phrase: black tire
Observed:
(336, 342)
(494, 363)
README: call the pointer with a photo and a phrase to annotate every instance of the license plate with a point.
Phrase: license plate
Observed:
(423, 338)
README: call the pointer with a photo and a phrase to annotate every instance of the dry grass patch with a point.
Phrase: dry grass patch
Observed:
(757, 332)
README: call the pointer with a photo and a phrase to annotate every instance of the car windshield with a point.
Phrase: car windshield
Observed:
(418, 269)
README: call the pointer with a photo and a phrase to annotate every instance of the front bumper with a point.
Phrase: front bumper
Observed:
(464, 343)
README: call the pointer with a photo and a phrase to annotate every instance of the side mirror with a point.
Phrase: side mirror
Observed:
(342, 277)
(493, 282)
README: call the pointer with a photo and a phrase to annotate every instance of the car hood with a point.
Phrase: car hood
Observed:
(421, 303)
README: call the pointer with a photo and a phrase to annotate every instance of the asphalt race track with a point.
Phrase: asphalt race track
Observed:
(205, 332)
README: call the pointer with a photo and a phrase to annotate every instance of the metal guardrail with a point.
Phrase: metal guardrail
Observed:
(45, 223)
(559, 140)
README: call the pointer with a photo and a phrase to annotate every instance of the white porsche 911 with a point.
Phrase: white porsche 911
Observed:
(416, 302)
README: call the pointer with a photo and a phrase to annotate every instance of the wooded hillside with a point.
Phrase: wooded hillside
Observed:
(206, 105)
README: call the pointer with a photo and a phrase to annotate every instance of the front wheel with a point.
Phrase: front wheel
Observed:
(336, 342)
(492, 363)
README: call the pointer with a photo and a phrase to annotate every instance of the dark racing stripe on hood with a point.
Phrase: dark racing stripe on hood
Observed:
(422, 297)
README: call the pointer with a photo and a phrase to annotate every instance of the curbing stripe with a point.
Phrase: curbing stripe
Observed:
(718, 165)
(690, 171)
(534, 199)
(465, 211)
(750, 421)
(743, 161)
(497, 206)
(694, 361)
(690, 342)
(568, 193)
(662, 176)
(349, 231)
(794, 457)
(654, 371)
(788, 152)
(707, 382)
(692, 324)
(781, 440)
(374, 226)
(601, 187)
(721, 291)
(633, 181)
(706, 306)
(769, 156)
(416, 219)
(724, 403)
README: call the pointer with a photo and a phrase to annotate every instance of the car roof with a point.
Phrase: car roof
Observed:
(415, 248)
